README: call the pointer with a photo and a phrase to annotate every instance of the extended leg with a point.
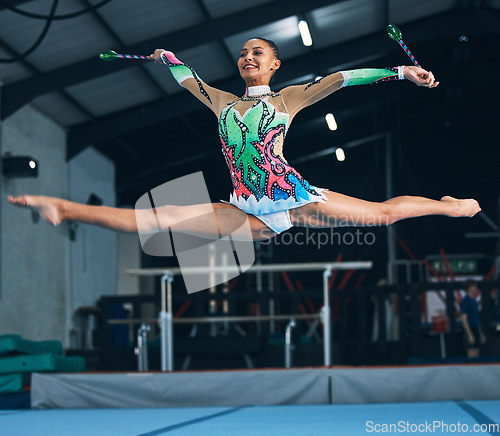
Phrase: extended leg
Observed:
(210, 220)
(342, 210)
(55, 210)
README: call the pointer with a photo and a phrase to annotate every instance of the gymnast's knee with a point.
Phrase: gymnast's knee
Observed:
(390, 213)
(154, 219)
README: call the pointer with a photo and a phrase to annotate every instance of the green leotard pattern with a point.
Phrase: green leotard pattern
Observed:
(260, 175)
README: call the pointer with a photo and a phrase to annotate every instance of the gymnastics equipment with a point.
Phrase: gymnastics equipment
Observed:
(289, 347)
(110, 55)
(141, 351)
(396, 35)
(166, 319)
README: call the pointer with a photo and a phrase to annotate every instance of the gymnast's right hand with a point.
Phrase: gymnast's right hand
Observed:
(156, 56)
(420, 77)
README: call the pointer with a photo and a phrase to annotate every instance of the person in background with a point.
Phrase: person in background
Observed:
(469, 315)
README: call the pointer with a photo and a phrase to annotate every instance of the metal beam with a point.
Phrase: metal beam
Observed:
(17, 94)
(13, 3)
(305, 266)
(109, 30)
(35, 70)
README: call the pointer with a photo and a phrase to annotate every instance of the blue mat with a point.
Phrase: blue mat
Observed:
(480, 417)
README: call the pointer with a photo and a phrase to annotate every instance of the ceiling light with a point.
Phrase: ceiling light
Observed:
(304, 33)
(330, 120)
(340, 154)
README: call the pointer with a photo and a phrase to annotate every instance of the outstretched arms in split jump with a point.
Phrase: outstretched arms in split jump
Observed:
(252, 130)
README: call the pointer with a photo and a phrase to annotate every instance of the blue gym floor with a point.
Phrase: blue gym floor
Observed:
(473, 417)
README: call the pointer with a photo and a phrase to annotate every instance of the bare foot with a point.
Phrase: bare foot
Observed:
(462, 208)
(50, 208)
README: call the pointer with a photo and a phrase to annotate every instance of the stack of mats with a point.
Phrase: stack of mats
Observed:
(20, 357)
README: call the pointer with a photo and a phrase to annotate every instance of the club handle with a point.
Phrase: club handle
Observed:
(409, 53)
(130, 56)
(110, 55)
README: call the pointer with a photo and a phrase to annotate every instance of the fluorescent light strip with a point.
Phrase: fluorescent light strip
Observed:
(304, 33)
(330, 120)
(340, 154)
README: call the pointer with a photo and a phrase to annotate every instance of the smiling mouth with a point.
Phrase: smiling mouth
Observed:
(246, 67)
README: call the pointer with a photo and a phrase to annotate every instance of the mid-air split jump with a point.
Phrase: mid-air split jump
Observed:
(268, 191)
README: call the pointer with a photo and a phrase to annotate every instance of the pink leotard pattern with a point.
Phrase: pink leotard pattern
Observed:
(263, 181)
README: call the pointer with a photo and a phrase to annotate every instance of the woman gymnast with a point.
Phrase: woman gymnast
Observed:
(268, 192)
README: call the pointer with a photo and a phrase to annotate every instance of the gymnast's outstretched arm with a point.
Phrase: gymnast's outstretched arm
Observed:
(300, 96)
(187, 77)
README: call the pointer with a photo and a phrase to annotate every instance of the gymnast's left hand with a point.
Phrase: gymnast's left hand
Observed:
(420, 77)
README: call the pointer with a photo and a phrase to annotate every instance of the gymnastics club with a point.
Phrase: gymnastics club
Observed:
(396, 35)
(110, 55)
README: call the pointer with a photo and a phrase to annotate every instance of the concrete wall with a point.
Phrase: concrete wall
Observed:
(92, 250)
(44, 276)
(34, 256)
(128, 257)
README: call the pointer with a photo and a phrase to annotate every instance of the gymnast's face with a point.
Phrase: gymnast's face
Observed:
(257, 62)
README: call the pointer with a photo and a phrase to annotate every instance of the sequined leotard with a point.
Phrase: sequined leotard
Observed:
(252, 134)
(252, 129)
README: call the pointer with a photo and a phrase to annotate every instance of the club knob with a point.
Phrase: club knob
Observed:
(108, 55)
(394, 32)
